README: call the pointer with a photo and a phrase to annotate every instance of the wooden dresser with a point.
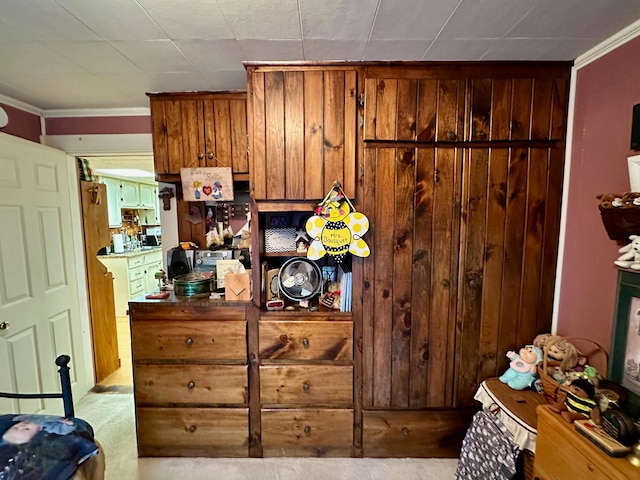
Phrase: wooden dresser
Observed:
(563, 453)
(306, 384)
(190, 378)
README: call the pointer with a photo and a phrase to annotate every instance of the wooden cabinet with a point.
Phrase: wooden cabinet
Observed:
(306, 384)
(206, 129)
(134, 196)
(130, 194)
(113, 201)
(302, 131)
(148, 196)
(466, 103)
(561, 452)
(191, 378)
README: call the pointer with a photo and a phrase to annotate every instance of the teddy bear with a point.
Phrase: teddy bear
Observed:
(245, 240)
(630, 257)
(332, 297)
(607, 200)
(522, 368)
(579, 403)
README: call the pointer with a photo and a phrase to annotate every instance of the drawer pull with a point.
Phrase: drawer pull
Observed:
(405, 432)
(305, 342)
(306, 387)
(188, 342)
(190, 385)
(307, 430)
(192, 428)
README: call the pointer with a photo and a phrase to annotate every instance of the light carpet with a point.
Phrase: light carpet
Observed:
(111, 416)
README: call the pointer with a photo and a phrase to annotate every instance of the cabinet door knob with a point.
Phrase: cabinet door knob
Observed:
(210, 155)
(188, 342)
(200, 156)
(4, 325)
(305, 342)
(451, 135)
(190, 385)
(306, 387)
(307, 430)
(405, 432)
(192, 428)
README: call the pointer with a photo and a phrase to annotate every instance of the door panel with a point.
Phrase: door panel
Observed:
(38, 284)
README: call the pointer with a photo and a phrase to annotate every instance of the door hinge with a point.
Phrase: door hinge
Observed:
(361, 121)
(362, 170)
(362, 100)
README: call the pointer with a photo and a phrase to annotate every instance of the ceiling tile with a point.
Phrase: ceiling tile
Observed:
(115, 19)
(199, 20)
(154, 55)
(408, 19)
(458, 49)
(209, 55)
(271, 50)
(337, 19)
(326, 50)
(264, 19)
(97, 57)
(40, 20)
(396, 49)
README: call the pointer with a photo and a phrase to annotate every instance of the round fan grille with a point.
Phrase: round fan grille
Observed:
(299, 279)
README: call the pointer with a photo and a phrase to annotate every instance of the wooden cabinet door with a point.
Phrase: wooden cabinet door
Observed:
(412, 200)
(191, 130)
(508, 246)
(303, 131)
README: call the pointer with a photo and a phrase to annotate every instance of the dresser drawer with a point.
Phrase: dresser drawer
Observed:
(203, 428)
(225, 384)
(306, 384)
(307, 427)
(189, 340)
(136, 273)
(136, 262)
(137, 287)
(287, 340)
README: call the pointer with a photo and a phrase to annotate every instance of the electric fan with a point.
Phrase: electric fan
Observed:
(299, 279)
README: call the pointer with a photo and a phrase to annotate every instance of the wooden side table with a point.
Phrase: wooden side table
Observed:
(563, 453)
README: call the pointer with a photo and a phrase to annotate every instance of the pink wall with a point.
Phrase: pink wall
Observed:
(98, 125)
(22, 124)
(606, 91)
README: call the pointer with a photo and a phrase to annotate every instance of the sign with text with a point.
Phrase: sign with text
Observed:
(207, 184)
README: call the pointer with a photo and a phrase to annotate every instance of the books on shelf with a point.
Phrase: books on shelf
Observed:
(345, 278)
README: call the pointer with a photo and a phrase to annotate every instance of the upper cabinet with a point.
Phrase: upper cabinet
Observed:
(303, 130)
(198, 130)
(465, 103)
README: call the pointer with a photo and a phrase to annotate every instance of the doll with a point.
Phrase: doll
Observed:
(579, 403)
(522, 369)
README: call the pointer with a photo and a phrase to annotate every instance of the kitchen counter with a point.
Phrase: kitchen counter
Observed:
(133, 253)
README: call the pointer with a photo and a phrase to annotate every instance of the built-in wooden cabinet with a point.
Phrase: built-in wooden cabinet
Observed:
(190, 376)
(200, 129)
(302, 130)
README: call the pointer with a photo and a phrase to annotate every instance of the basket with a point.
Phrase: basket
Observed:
(556, 392)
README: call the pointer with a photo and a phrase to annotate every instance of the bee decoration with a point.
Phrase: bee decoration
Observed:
(336, 228)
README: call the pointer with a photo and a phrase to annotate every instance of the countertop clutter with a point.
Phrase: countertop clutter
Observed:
(133, 253)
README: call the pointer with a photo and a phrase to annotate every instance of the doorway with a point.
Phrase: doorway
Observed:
(130, 168)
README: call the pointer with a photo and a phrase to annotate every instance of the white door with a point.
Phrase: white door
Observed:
(39, 297)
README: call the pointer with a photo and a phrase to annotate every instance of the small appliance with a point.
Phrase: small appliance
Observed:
(179, 262)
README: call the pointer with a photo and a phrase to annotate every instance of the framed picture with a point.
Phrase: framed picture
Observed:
(624, 357)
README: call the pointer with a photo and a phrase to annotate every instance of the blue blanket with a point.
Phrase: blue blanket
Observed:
(43, 447)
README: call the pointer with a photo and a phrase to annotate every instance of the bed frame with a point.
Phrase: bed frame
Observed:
(65, 382)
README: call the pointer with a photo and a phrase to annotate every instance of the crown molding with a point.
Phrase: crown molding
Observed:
(12, 102)
(613, 42)
(97, 112)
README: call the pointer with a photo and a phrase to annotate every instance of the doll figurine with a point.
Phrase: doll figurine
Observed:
(522, 369)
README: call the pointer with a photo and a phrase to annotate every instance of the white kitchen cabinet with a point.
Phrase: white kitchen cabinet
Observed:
(148, 196)
(130, 194)
(133, 276)
(113, 201)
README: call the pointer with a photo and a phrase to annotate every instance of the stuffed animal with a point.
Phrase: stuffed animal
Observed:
(579, 403)
(332, 297)
(245, 239)
(522, 369)
(607, 199)
(559, 349)
(630, 257)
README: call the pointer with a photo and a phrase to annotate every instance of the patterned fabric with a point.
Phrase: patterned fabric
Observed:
(488, 450)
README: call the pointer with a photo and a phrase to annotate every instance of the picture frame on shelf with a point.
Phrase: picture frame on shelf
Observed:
(624, 355)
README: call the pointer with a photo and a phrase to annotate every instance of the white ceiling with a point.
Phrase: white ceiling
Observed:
(94, 54)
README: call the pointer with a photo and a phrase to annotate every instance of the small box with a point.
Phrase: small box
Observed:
(278, 240)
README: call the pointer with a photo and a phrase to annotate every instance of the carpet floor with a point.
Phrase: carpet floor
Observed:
(112, 418)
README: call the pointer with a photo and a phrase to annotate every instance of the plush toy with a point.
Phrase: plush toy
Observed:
(522, 369)
(630, 257)
(607, 199)
(332, 297)
(579, 403)
(559, 349)
(245, 239)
